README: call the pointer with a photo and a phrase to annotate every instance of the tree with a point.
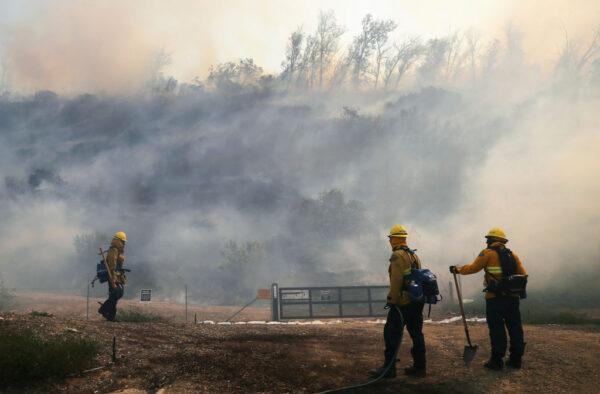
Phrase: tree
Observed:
(232, 76)
(308, 62)
(490, 59)
(293, 55)
(361, 49)
(381, 32)
(435, 60)
(406, 55)
(454, 60)
(239, 265)
(472, 52)
(327, 38)
(86, 246)
(157, 81)
(374, 35)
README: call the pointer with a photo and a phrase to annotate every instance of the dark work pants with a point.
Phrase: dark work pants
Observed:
(412, 318)
(109, 307)
(501, 312)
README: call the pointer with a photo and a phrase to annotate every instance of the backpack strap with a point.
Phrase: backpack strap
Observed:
(411, 253)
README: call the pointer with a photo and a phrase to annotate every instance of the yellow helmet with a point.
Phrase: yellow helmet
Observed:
(398, 231)
(121, 235)
(497, 232)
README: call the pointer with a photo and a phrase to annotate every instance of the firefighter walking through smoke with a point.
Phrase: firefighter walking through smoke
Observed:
(401, 310)
(505, 280)
(114, 263)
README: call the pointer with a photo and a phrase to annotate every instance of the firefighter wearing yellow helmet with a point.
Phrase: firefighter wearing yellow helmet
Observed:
(402, 311)
(115, 259)
(505, 280)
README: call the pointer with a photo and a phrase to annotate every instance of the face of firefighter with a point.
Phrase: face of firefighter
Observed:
(396, 241)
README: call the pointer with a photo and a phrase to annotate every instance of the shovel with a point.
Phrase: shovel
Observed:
(470, 350)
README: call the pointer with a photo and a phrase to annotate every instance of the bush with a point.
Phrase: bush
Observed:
(135, 315)
(26, 357)
(40, 314)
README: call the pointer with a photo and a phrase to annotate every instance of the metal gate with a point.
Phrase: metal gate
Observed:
(328, 302)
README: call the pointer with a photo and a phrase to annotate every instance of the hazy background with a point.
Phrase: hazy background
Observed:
(238, 147)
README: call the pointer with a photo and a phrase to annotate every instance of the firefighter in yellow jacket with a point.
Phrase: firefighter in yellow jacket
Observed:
(505, 279)
(401, 310)
(115, 259)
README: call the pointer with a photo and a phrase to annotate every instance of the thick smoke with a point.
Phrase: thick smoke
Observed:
(231, 186)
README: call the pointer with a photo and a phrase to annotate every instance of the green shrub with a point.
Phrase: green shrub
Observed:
(26, 357)
(40, 314)
(135, 315)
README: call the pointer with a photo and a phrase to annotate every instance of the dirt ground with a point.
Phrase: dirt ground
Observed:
(177, 357)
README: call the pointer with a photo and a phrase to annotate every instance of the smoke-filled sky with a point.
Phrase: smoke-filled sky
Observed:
(74, 46)
(306, 179)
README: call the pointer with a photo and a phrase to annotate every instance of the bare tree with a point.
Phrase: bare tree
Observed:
(381, 32)
(435, 59)
(472, 52)
(453, 55)
(307, 65)
(363, 45)
(490, 59)
(591, 51)
(361, 49)
(327, 38)
(406, 55)
(293, 54)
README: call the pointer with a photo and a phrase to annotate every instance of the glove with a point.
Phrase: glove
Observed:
(388, 305)
(453, 269)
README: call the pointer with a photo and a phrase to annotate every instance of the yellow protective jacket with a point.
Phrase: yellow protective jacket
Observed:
(115, 260)
(489, 261)
(400, 267)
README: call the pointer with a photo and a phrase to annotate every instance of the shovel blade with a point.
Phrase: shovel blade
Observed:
(469, 353)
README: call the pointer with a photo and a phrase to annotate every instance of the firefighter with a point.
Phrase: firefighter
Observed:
(115, 260)
(401, 310)
(501, 301)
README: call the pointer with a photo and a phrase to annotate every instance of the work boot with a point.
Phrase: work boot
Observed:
(416, 372)
(391, 373)
(514, 360)
(495, 364)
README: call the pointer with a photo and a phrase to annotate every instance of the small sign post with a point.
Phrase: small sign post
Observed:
(145, 295)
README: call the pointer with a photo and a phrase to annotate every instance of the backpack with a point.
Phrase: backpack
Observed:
(422, 284)
(101, 272)
(511, 284)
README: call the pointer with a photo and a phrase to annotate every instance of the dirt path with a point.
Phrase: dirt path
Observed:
(310, 358)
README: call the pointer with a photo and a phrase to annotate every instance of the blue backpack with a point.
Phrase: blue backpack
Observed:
(422, 284)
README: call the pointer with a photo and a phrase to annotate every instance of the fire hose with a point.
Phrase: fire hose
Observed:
(381, 375)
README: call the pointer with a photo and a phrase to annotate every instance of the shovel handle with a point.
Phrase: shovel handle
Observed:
(462, 309)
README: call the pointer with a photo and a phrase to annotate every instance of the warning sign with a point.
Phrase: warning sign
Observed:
(263, 294)
(145, 295)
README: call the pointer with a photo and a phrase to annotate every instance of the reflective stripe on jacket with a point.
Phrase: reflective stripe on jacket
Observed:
(489, 261)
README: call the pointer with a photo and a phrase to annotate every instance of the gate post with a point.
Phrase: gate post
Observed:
(274, 302)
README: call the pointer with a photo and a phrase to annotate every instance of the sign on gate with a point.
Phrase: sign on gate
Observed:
(329, 302)
(145, 295)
